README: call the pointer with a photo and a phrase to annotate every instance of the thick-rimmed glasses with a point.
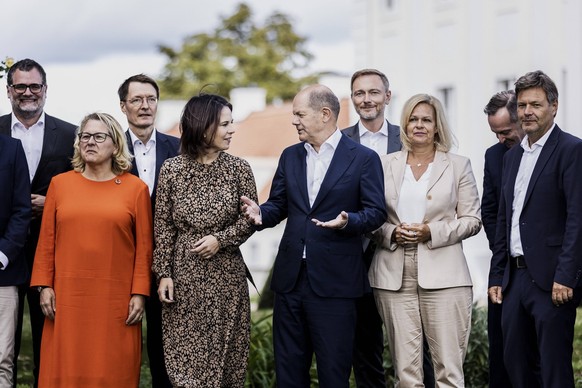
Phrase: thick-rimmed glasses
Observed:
(21, 88)
(99, 137)
(138, 101)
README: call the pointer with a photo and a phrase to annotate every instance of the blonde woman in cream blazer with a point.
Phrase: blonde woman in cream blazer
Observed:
(419, 273)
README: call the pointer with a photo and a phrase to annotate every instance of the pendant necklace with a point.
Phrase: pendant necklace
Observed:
(424, 162)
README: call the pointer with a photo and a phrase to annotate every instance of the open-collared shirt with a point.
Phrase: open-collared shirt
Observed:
(529, 159)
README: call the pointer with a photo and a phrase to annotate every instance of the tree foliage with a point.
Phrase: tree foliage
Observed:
(238, 53)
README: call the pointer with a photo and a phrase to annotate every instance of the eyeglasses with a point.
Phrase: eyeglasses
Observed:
(99, 137)
(138, 101)
(21, 88)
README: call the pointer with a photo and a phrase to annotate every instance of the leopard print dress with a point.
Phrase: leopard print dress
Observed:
(206, 331)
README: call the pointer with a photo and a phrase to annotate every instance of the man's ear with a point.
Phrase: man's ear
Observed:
(326, 114)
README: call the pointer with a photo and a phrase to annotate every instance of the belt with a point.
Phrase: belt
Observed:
(517, 262)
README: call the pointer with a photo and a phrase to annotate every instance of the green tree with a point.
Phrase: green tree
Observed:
(239, 53)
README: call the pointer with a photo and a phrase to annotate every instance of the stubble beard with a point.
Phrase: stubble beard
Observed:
(27, 114)
(369, 116)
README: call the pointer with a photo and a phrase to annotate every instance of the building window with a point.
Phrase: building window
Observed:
(448, 98)
(505, 84)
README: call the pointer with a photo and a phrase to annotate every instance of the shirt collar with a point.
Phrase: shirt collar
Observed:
(540, 143)
(16, 123)
(331, 141)
(135, 140)
(364, 131)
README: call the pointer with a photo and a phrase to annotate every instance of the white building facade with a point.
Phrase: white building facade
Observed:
(464, 51)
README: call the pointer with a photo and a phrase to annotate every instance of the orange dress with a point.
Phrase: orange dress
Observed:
(95, 251)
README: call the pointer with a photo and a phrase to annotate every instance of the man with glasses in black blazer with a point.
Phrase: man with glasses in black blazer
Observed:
(48, 146)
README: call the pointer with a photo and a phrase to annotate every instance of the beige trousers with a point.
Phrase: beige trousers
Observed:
(8, 319)
(443, 315)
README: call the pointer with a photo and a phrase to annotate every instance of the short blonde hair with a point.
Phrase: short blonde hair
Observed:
(121, 158)
(444, 138)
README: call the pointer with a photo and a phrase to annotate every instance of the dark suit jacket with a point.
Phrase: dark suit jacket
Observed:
(353, 183)
(394, 143)
(492, 189)
(166, 147)
(57, 151)
(15, 210)
(551, 219)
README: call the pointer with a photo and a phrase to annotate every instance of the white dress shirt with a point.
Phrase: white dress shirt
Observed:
(318, 163)
(528, 162)
(378, 141)
(32, 139)
(145, 158)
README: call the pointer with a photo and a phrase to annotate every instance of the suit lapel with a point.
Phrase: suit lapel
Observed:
(394, 143)
(397, 169)
(510, 170)
(49, 143)
(5, 125)
(162, 153)
(301, 173)
(441, 163)
(547, 151)
(353, 133)
(130, 147)
(342, 158)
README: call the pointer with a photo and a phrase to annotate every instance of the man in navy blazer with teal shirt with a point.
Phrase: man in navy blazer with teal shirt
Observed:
(15, 214)
(48, 145)
(331, 191)
(138, 99)
(536, 268)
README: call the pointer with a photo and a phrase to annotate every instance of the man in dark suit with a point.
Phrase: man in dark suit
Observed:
(48, 146)
(537, 260)
(370, 96)
(330, 189)
(15, 214)
(138, 98)
(370, 93)
(501, 111)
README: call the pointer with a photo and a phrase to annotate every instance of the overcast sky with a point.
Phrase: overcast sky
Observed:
(89, 48)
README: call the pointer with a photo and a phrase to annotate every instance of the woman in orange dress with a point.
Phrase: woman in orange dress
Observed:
(92, 264)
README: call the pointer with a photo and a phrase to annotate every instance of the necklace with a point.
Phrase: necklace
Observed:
(426, 161)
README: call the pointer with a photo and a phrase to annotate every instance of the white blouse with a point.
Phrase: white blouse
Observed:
(412, 200)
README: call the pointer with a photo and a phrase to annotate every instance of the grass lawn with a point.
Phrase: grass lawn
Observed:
(25, 357)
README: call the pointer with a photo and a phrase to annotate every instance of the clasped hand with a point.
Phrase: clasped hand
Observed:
(405, 234)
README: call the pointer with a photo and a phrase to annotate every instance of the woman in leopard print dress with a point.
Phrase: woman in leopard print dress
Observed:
(197, 261)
